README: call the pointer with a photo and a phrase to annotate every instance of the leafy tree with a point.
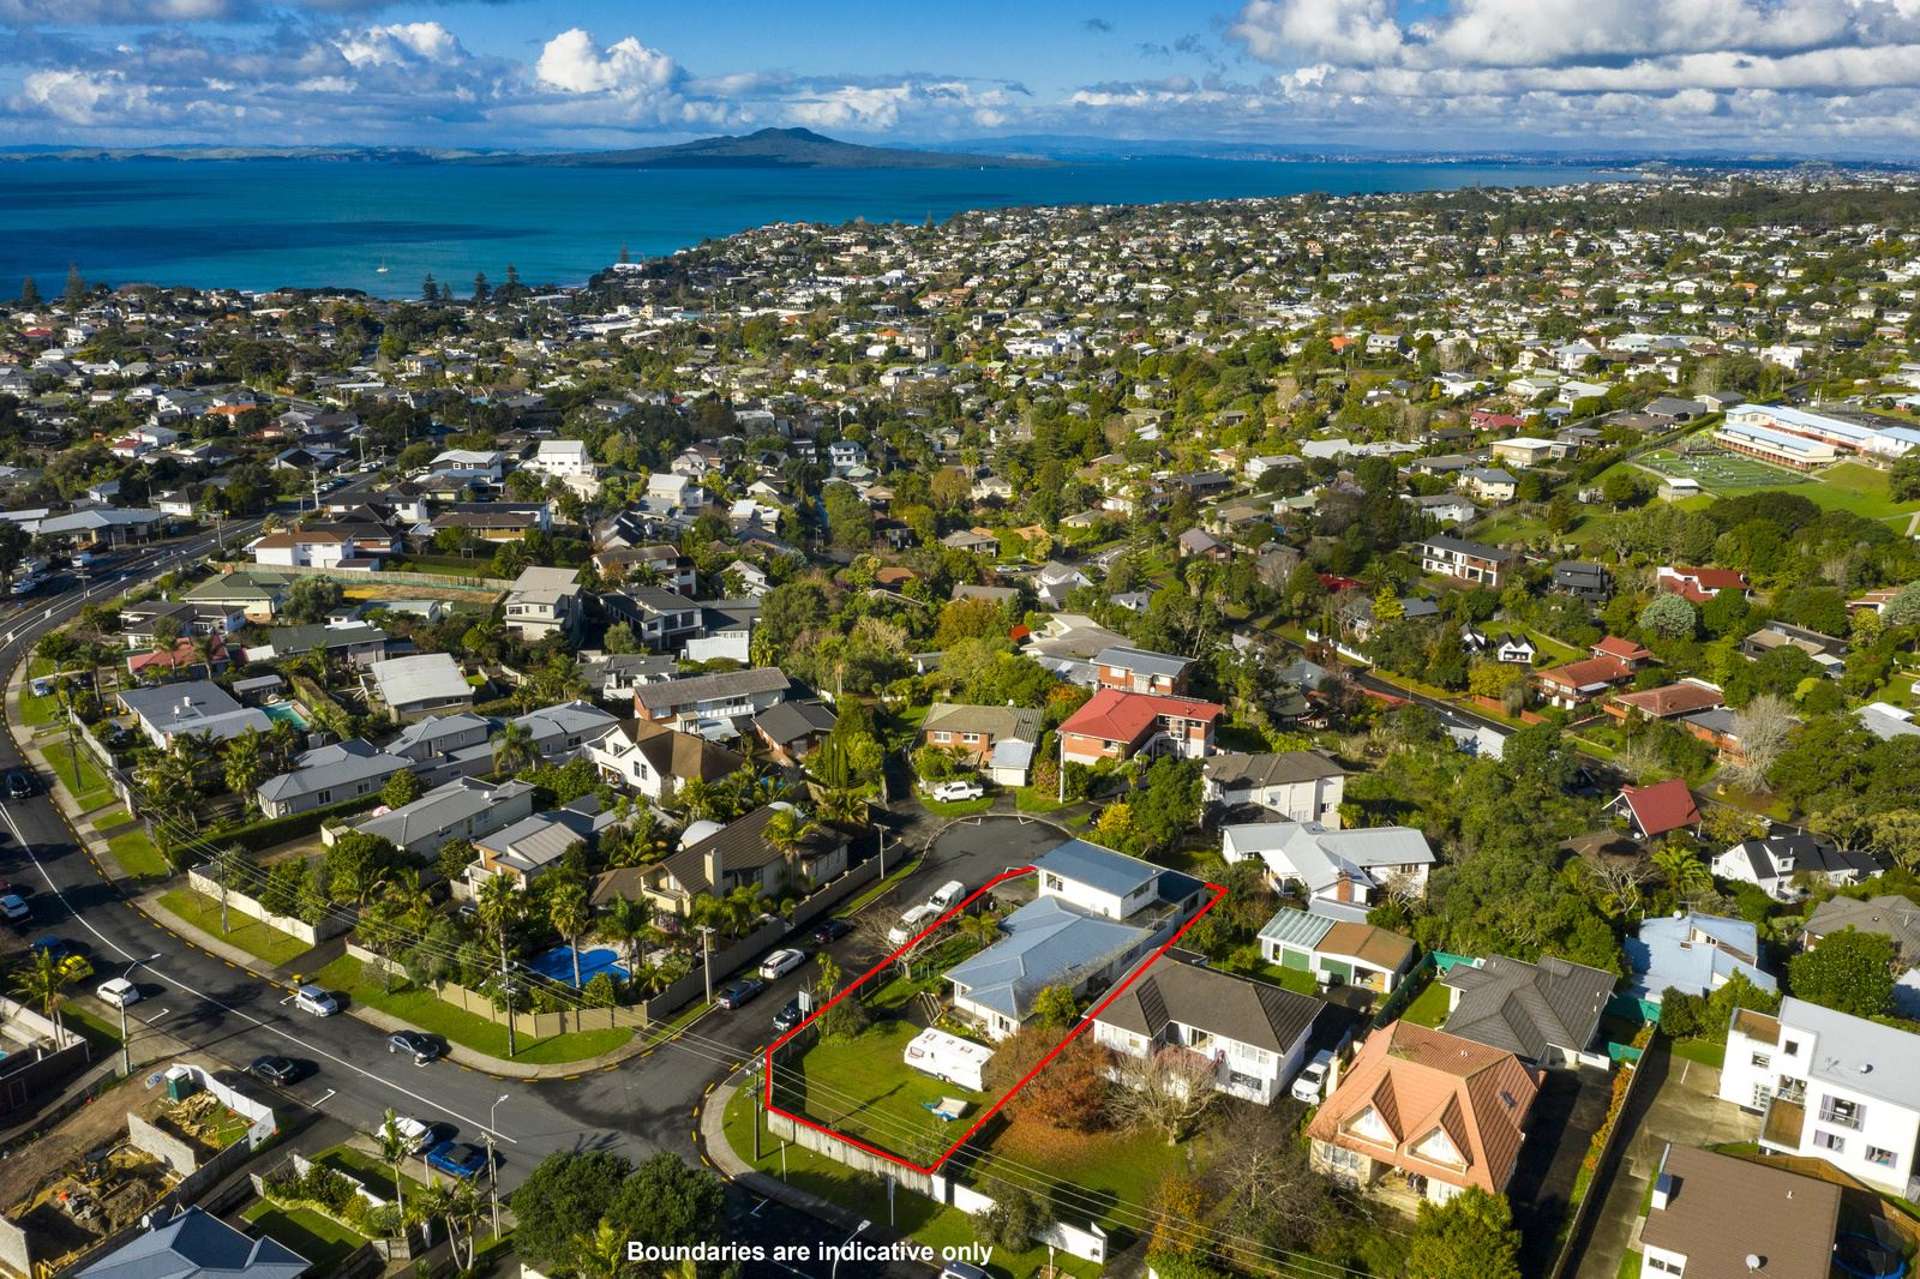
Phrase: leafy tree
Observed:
(29, 292)
(310, 598)
(667, 1202)
(76, 292)
(620, 639)
(1849, 971)
(1471, 1236)
(1055, 1006)
(401, 789)
(563, 1198)
(1669, 617)
(1012, 1222)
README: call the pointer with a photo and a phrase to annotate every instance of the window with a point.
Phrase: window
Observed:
(1761, 1061)
(1791, 1047)
(1823, 1140)
(1662, 1264)
(1882, 1158)
(1845, 1113)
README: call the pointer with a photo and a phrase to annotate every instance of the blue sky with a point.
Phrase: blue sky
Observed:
(1804, 76)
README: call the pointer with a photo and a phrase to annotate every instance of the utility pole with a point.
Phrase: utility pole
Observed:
(706, 957)
(506, 988)
(493, 1172)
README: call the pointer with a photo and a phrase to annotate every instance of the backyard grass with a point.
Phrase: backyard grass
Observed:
(1297, 980)
(429, 1012)
(250, 935)
(1429, 1007)
(80, 775)
(321, 1240)
(1109, 1178)
(909, 1213)
(370, 1170)
(862, 1087)
(137, 856)
(1701, 1052)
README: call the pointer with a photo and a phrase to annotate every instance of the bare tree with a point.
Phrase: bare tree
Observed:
(1621, 884)
(1167, 1089)
(1761, 726)
(1273, 1193)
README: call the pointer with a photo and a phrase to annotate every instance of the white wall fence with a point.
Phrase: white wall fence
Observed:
(240, 903)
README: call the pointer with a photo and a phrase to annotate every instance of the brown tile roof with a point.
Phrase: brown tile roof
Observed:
(1673, 699)
(1721, 1210)
(1376, 946)
(1586, 672)
(1418, 1080)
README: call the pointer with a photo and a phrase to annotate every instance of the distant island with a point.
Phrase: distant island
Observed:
(768, 149)
(764, 149)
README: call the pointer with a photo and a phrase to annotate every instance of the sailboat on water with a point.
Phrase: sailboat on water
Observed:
(382, 268)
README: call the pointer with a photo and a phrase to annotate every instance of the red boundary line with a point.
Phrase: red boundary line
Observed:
(1140, 967)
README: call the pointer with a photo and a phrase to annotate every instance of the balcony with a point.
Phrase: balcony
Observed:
(1840, 1114)
(1781, 1126)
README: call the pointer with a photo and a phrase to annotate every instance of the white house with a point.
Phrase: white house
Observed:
(1301, 786)
(560, 459)
(1256, 1034)
(1782, 864)
(1829, 1086)
(671, 494)
(1354, 867)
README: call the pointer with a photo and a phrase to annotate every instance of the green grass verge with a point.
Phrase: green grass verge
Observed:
(915, 1215)
(112, 817)
(861, 1086)
(102, 1036)
(960, 808)
(885, 886)
(321, 1240)
(1029, 800)
(80, 775)
(137, 856)
(250, 935)
(1429, 1007)
(429, 1012)
(370, 1170)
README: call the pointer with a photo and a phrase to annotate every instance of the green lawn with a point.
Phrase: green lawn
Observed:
(960, 808)
(916, 1215)
(102, 1035)
(370, 1170)
(1701, 1052)
(250, 935)
(1429, 1007)
(1029, 800)
(429, 1012)
(137, 856)
(861, 1086)
(110, 818)
(88, 785)
(1106, 1177)
(321, 1240)
(38, 712)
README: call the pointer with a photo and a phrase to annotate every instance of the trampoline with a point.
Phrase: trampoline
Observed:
(557, 964)
(1865, 1257)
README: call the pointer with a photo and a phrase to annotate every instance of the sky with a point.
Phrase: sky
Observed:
(1800, 77)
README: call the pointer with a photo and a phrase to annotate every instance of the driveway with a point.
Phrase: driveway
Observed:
(1681, 1107)
(1570, 1108)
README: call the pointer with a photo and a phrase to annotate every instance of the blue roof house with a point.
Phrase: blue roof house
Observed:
(194, 1245)
(1695, 954)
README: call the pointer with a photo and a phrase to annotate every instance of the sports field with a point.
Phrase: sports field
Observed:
(1722, 472)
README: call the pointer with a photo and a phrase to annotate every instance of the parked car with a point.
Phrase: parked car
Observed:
(738, 992)
(418, 1136)
(276, 1072)
(963, 1270)
(312, 999)
(422, 1048)
(911, 923)
(947, 896)
(19, 784)
(789, 1016)
(59, 947)
(1311, 1082)
(118, 991)
(781, 962)
(15, 909)
(954, 792)
(458, 1158)
(828, 931)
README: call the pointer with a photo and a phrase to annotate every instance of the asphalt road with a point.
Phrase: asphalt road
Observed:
(639, 1108)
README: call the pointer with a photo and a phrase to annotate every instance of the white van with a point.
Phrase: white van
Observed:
(912, 922)
(947, 896)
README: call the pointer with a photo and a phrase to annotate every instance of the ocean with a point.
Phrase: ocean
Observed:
(263, 224)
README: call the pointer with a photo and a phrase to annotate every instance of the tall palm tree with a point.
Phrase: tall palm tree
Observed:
(514, 750)
(983, 928)
(393, 1149)
(742, 906)
(627, 923)
(1686, 874)
(43, 982)
(568, 912)
(244, 763)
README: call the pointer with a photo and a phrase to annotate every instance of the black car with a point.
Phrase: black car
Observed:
(738, 992)
(422, 1048)
(788, 1017)
(277, 1071)
(19, 784)
(829, 931)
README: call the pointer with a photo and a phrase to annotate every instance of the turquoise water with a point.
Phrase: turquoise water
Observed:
(280, 710)
(264, 224)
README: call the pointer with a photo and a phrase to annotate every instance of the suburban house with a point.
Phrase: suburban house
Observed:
(420, 684)
(1577, 683)
(791, 730)
(654, 759)
(659, 618)
(331, 774)
(723, 695)
(1255, 1034)
(1713, 1216)
(1829, 1086)
(1137, 670)
(543, 602)
(464, 808)
(1351, 867)
(1698, 585)
(191, 707)
(1465, 561)
(1783, 864)
(1095, 913)
(1301, 786)
(194, 1244)
(738, 855)
(565, 731)
(1828, 652)
(614, 676)
(1888, 915)
(1337, 952)
(442, 747)
(1118, 725)
(356, 642)
(1653, 811)
(998, 740)
(523, 851)
(1694, 954)
(320, 548)
(1583, 580)
(1546, 1014)
(1669, 701)
(1421, 1114)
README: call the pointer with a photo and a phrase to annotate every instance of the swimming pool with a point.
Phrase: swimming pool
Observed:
(557, 964)
(285, 711)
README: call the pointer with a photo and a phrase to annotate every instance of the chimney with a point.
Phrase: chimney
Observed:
(1663, 1190)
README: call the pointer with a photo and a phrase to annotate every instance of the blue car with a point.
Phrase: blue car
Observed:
(458, 1158)
(58, 947)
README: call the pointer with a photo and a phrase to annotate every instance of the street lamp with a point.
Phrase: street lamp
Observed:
(493, 1171)
(834, 1273)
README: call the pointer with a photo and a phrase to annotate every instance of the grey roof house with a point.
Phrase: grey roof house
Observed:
(331, 774)
(195, 1245)
(1546, 1013)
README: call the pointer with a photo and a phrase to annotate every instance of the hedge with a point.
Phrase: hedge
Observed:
(269, 831)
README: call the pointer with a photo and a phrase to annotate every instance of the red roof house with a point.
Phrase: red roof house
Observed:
(1698, 585)
(1623, 650)
(1654, 810)
(1115, 724)
(1577, 683)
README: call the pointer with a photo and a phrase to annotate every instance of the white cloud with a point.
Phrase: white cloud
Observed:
(400, 44)
(1363, 31)
(82, 97)
(574, 63)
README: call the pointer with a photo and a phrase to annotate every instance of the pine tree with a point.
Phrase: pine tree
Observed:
(513, 276)
(429, 290)
(624, 255)
(480, 286)
(29, 292)
(76, 287)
